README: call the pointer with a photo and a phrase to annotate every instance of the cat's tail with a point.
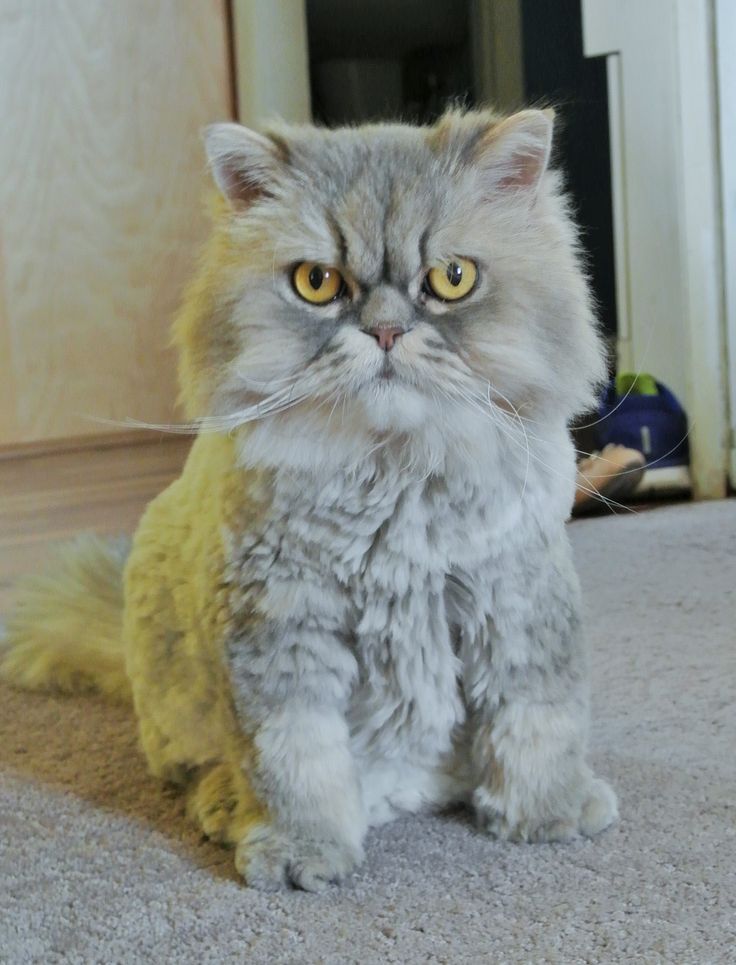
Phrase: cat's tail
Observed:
(66, 630)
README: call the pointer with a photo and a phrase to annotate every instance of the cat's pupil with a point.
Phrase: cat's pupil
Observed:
(316, 277)
(454, 273)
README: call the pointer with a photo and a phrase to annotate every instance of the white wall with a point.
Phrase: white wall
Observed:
(271, 60)
(726, 54)
(665, 173)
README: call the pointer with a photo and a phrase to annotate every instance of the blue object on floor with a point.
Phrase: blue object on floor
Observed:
(641, 413)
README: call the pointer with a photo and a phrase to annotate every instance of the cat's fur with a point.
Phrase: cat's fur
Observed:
(359, 601)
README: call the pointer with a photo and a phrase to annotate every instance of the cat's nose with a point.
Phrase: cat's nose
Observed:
(386, 337)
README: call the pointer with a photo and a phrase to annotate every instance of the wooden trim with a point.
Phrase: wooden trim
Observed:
(109, 440)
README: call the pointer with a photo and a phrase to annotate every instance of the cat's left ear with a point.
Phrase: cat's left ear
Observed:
(514, 153)
(244, 164)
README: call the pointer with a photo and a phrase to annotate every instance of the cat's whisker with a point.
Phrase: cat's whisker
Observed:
(486, 407)
(529, 435)
(265, 407)
(580, 452)
(276, 252)
(272, 405)
(653, 462)
(334, 396)
(174, 428)
(509, 433)
(589, 490)
(443, 394)
(251, 383)
(367, 455)
(639, 372)
(520, 421)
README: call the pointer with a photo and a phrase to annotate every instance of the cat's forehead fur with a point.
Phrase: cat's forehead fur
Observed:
(377, 154)
(383, 191)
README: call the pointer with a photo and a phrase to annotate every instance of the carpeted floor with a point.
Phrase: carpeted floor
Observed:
(98, 864)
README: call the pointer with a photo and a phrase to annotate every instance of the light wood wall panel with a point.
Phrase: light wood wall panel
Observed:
(101, 208)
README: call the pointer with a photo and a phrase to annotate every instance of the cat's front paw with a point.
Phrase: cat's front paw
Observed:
(270, 860)
(586, 813)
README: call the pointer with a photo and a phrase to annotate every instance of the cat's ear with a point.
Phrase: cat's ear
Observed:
(243, 163)
(514, 153)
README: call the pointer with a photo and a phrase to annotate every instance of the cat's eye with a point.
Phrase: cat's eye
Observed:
(452, 280)
(317, 284)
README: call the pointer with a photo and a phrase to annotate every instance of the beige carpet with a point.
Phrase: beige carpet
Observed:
(98, 864)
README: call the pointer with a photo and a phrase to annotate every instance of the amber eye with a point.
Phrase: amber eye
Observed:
(318, 284)
(452, 280)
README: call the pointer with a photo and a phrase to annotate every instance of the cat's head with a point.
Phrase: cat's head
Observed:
(388, 275)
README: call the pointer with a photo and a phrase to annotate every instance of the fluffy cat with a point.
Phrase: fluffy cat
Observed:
(358, 599)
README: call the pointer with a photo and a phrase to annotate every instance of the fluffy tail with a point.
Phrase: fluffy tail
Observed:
(65, 632)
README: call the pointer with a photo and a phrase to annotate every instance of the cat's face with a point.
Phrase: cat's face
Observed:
(388, 274)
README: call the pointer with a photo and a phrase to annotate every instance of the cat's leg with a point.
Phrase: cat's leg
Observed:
(156, 746)
(526, 687)
(290, 685)
(304, 773)
(222, 802)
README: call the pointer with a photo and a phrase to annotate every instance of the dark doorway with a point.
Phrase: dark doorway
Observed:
(388, 59)
(557, 73)
(377, 59)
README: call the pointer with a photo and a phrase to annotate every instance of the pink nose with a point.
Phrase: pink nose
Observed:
(385, 336)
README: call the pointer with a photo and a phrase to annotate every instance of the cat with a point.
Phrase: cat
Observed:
(358, 599)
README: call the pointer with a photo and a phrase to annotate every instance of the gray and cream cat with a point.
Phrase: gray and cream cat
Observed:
(358, 600)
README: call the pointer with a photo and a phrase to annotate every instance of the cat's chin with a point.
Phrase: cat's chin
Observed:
(392, 406)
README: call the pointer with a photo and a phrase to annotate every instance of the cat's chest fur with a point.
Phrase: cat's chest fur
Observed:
(368, 555)
(377, 531)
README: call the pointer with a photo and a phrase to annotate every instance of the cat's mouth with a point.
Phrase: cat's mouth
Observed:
(387, 370)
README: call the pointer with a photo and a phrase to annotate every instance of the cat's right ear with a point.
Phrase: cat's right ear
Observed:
(243, 163)
(514, 154)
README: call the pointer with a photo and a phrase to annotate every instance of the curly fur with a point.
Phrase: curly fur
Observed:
(358, 598)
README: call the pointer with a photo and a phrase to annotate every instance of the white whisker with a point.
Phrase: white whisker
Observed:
(492, 412)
